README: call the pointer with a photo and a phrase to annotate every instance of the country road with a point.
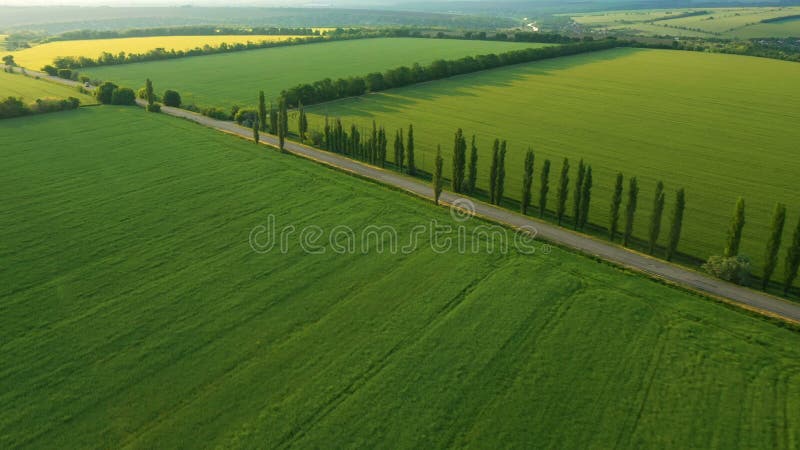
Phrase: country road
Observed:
(655, 268)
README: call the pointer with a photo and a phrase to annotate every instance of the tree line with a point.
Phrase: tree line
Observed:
(327, 89)
(16, 107)
(190, 30)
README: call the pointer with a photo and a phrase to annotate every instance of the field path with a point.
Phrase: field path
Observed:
(652, 267)
(655, 268)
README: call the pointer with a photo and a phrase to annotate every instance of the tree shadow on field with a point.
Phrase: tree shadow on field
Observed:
(469, 85)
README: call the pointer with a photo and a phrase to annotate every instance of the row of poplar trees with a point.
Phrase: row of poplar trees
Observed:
(792, 260)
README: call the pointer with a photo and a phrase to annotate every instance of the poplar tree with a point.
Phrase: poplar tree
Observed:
(262, 111)
(327, 134)
(282, 126)
(586, 198)
(493, 170)
(283, 119)
(676, 224)
(149, 95)
(527, 181)
(273, 120)
(437, 175)
(576, 194)
(459, 161)
(501, 174)
(412, 165)
(255, 131)
(655, 218)
(735, 230)
(792, 260)
(630, 210)
(563, 191)
(399, 150)
(616, 202)
(472, 177)
(544, 187)
(382, 144)
(774, 243)
(302, 122)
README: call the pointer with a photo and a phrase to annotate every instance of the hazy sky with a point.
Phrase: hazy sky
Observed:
(295, 3)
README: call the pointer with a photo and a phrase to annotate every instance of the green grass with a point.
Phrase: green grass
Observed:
(235, 78)
(134, 313)
(30, 89)
(727, 130)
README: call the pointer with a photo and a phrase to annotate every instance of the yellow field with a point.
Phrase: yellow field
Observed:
(41, 55)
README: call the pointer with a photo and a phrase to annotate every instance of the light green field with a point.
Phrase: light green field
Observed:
(3, 41)
(135, 314)
(30, 89)
(720, 22)
(40, 55)
(719, 125)
(235, 78)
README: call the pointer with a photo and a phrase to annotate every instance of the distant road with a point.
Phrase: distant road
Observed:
(655, 268)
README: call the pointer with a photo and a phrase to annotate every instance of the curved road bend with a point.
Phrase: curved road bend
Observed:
(655, 268)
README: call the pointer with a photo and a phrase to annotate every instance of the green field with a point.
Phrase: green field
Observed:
(30, 89)
(235, 78)
(134, 313)
(725, 130)
(715, 22)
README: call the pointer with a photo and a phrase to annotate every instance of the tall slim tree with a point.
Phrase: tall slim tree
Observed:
(544, 187)
(563, 192)
(792, 262)
(630, 210)
(399, 150)
(255, 131)
(577, 192)
(676, 224)
(459, 161)
(774, 244)
(382, 145)
(501, 175)
(262, 111)
(282, 126)
(586, 198)
(437, 175)
(735, 230)
(302, 122)
(472, 177)
(149, 95)
(412, 165)
(327, 135)
(284, 117)
(655, 218)
(493, 170)
(273, 120)
(527, 181)
(616, 202)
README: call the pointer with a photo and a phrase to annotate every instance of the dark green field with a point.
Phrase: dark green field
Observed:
(135, 314)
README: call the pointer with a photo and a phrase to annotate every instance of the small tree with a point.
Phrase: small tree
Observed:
(123, 96)
(172, 98)
(9, 60)
(472, 177)
(148, 92)
(655, 218)
(437, 175)
(493, 171)
(104, 92)
(630, 210)
(792, 260)
(735, 269)
(676, 224)
(576, 194)
(735, 230)
(774, 243)
(262, 111)
(616, 202)
(563, 191)
(501, 174)
(412, 165)
(544, 187)
(302, 122)
(399, 150)
(273, 120)
(459, 161)
(527, 181)
(586, 198)
(256, 124)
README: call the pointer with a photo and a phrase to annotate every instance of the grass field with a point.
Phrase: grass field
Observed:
(38, 56)
(720, 22)
(134, 313)
(3, 41)
(235, 78)
(720, 132)
(30, 89)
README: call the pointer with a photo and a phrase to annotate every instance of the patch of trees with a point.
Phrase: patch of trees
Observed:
(787, 49)
(15, 107)
(327, 89)
(110, 94)
(196, 30)
(782, 18)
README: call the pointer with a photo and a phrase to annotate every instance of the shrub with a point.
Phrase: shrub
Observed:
(84, 79)
(64, 73)
(172, 98)
(216, 113)
(53, 105)
(50, 70)
(9, 60)
(123, 96)
(105, 92)
(316, 138)
(12, 107)
(246, 117)
(735, 269)
(154, 108)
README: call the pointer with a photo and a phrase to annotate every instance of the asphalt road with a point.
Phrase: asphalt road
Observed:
(655, 268)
